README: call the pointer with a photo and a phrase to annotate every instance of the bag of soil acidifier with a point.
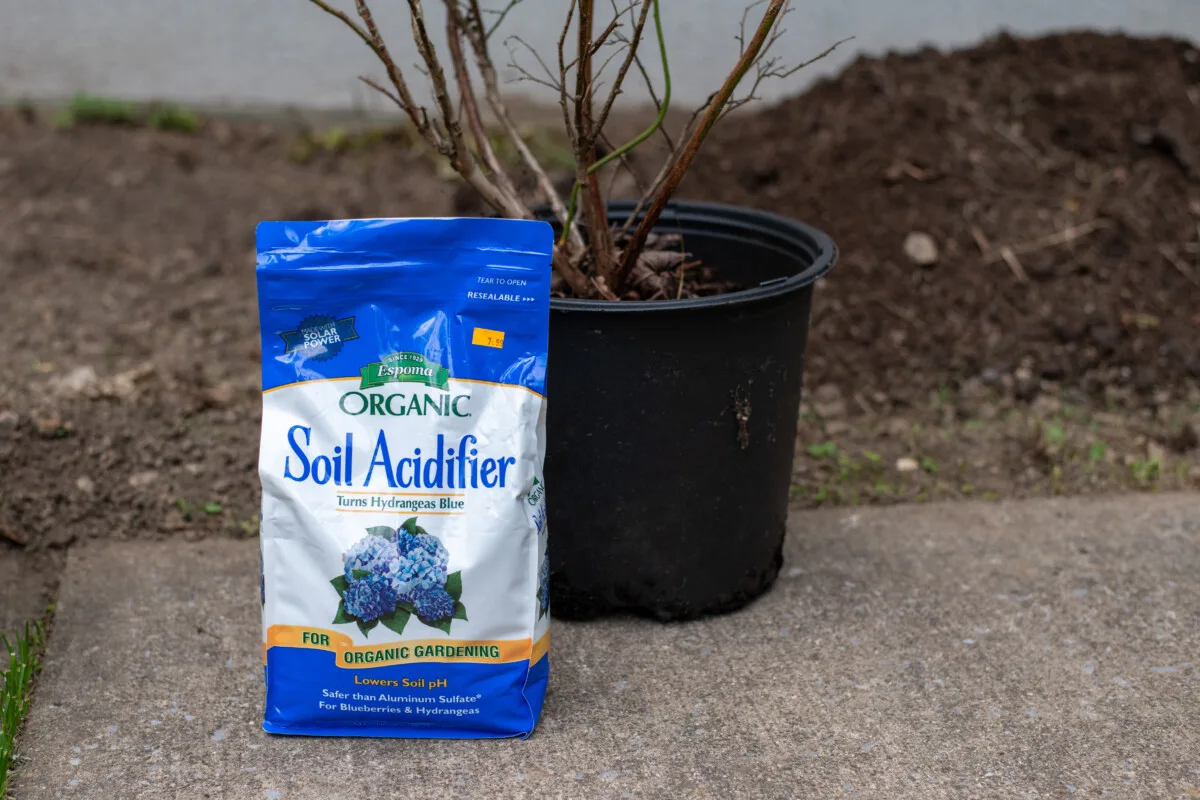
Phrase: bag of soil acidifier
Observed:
(403, 517)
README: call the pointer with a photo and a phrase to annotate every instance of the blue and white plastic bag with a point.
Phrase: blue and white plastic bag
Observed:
(403, 514)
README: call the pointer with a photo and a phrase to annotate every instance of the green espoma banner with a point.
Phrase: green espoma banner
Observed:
(404, 368)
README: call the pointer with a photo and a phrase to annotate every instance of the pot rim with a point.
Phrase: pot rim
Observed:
(787, 234)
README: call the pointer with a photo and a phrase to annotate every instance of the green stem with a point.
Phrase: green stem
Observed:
(641, 137)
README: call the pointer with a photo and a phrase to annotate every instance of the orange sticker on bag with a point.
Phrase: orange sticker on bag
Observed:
(487, 338)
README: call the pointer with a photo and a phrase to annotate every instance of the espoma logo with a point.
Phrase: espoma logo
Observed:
(404, 368)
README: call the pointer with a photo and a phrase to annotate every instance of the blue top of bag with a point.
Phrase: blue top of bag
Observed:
(425, 300)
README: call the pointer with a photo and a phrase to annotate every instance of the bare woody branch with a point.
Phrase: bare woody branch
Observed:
(595, 209)
(771, 68)
(383, 90)
(460, 154)
(472, 25)
(741, 34)
(691, 147)
(583, 77)
(622, 151)
(661, 177)
(630, 54)
(500, 15)
(456, 127)
(599, 41)
(447, 137)
(466, 91)
(563, 99)
(550, 80)
(437, 78)
(417, 114)
(344, 17)
(763, 71)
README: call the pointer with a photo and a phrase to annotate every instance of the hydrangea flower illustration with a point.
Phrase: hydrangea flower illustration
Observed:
(369, 598)
(425, 561)
(373, 554)
(433, 604)
(543, 593)
(392, 573)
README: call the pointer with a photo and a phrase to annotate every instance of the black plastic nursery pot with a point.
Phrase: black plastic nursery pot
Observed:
(672, 425)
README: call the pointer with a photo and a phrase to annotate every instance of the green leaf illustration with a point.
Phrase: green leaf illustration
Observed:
(359, 574)
(339, 583)
(454, 585)
(396, 620)
(409, 607)
(410, 525)
(460, 611)
(442, 624)
(420, 531)
(366, 627)
(382, 531)
(342, 618)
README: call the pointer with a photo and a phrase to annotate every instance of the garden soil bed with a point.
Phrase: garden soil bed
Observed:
(1054, 346)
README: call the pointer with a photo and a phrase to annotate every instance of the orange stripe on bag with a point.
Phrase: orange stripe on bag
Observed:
(540, 648)
(412, 651)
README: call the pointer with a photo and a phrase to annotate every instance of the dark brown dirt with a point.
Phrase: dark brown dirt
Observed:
(129, 401)
(1004, 144)
(129, 376)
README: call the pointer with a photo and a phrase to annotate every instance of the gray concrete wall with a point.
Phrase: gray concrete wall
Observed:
(287, 52)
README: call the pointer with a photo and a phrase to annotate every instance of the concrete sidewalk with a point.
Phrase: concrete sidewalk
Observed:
(1031, 649)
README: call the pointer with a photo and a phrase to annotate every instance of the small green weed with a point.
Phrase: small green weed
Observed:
(338, 141)
(86, 109)
(1054, 433)
(170, 117)
(191, 511)
(16, 678)
(1145, 470)
(1097, 451)
(848, 469)
(929, 465)
(1057, 484)
(823, 450)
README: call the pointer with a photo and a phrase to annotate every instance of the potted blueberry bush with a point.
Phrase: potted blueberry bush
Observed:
(677, 330)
